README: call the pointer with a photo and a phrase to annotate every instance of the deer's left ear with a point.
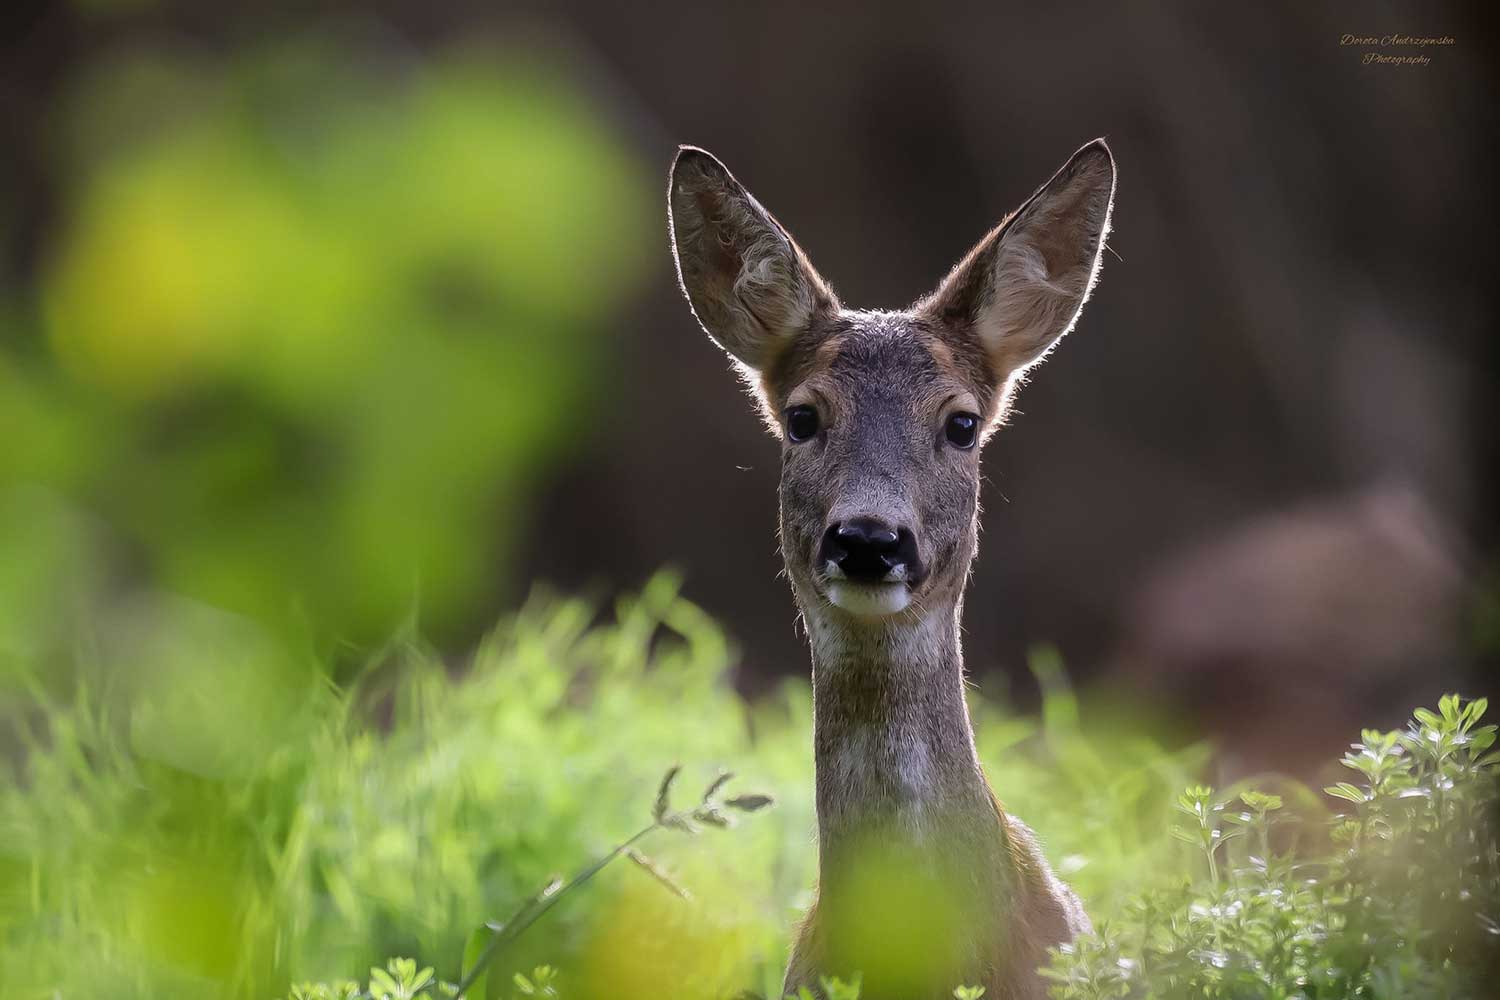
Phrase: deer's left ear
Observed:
(1023, 287)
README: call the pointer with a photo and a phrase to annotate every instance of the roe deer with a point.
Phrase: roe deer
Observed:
(925, 882)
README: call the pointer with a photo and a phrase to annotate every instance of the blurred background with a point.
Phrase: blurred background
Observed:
(322, 325)
(339, 320)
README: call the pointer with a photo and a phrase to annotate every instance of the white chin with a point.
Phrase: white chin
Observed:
(869, 600)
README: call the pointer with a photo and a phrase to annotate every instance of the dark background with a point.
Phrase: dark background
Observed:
(1256, 482)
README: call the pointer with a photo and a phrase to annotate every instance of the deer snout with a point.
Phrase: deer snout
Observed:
(870, 550)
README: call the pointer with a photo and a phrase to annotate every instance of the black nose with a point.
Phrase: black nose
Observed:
(866, 549)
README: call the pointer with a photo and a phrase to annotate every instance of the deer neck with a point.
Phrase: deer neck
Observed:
(893, 745)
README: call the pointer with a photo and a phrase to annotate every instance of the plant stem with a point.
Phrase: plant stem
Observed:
(537, 907)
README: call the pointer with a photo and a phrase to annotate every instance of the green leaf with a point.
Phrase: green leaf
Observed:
(837, 989)
(1344, 790)
(382, 985)
(1428, 718)
(1448, 705)
(1260, 801)
(1346, 831)
(479, 940)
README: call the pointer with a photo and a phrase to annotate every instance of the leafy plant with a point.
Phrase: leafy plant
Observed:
(1403, 902)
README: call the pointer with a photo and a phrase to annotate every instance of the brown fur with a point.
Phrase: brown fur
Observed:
(925, 882)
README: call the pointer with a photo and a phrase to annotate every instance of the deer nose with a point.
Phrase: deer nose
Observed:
(868, 550)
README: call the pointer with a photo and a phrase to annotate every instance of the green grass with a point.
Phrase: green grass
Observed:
(215, 819)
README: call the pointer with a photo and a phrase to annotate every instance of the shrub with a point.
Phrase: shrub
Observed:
(1398, 896)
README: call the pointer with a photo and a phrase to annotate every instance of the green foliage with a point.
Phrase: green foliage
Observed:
(311, 329)
(227, 836)
(833, 989)
(391, 817)
(709, 810)
(402, 981)
(399, 980)
(1397, 898)
(1402, 904)
(209, 817)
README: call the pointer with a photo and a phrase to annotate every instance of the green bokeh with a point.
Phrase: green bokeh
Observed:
(316, 323)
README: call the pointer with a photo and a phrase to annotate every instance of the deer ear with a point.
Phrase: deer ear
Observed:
(1023, 287)
(750, 285)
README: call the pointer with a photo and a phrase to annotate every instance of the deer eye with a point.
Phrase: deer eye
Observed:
(801, 423)
(962, 430)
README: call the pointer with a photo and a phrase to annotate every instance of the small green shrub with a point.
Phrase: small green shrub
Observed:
(1398, 896)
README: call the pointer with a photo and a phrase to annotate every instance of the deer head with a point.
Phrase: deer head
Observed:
(882, 414)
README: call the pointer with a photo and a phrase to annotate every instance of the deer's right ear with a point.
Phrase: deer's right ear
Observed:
(750, 285)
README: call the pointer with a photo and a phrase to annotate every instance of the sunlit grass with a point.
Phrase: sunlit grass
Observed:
(224, 832)
(206, 815)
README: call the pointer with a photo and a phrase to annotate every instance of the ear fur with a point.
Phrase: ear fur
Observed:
(1022, 288)
(748, 283)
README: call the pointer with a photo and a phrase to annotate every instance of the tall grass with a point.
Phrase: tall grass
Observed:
(394, 815)
(243, 824)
